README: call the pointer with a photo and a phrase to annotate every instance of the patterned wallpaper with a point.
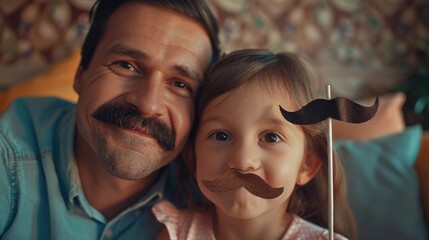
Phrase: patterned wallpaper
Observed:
(36, 33)
(361, 47)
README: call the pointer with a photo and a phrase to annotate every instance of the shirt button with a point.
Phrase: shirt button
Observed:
(108, 233)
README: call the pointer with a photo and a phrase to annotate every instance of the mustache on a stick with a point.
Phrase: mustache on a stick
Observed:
(339, 108)
(233, 180)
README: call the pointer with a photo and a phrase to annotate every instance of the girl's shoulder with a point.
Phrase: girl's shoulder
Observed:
(303, 229)
(183, 223)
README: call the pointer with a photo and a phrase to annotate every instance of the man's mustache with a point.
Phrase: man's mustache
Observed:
(127, 117)
(233, 180)
(339, 108)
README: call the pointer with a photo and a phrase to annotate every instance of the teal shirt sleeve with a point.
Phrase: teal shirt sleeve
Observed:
(40, 191)
(5, 187)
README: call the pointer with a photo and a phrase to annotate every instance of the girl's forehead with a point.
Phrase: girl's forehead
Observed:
(258, 89)
(248, 96)
(250, 104)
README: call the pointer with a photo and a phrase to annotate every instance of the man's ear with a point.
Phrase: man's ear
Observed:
(188, 156)
(77, 84)
(309, 168)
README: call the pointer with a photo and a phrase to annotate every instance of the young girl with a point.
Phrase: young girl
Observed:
(266, 177)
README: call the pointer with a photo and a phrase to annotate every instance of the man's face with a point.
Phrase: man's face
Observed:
(145, 72)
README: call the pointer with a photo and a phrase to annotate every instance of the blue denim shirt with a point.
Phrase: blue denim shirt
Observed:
(41, 196)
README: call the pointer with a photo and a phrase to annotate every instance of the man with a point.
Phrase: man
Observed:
(94, 170)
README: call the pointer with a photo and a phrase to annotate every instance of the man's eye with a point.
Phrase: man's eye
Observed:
(220, 136)
(181, 85)
(125, 65)
(182, 88)
(272, 138)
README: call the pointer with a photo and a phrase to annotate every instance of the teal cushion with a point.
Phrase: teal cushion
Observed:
(383, 185)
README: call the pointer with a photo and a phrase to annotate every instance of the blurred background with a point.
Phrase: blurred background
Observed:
(362, 48)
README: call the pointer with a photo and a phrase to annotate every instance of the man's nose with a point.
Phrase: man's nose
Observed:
(148, 95)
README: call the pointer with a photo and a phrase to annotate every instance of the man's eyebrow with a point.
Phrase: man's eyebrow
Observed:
(185, 71)
(138, 54)
(128, 51)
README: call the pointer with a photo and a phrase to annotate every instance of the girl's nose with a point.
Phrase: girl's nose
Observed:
(244, 158)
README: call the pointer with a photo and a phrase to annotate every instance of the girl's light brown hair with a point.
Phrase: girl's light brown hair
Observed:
(285, 73)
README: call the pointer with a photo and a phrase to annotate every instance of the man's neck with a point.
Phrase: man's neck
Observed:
(106, 193)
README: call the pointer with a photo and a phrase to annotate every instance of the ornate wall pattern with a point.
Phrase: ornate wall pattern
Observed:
(37, 33)
(361, 47)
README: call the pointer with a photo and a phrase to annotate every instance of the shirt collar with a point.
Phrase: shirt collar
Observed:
(64, 157)
(69, 174)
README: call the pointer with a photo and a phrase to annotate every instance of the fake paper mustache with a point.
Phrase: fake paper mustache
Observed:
(339, 108)
(233, 180)
(127, 117)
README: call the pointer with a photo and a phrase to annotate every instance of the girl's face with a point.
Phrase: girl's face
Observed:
(244, 130)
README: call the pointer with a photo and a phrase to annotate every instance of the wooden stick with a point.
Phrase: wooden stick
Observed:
(330, 174)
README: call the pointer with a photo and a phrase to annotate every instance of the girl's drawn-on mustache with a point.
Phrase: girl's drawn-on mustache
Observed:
(339, 108)
(233, 180)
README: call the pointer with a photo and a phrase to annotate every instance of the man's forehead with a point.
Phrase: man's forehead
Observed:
(155, 30)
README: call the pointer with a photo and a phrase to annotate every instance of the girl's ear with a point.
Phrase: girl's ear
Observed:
(188, 156)
(77, 84)
(309, 168)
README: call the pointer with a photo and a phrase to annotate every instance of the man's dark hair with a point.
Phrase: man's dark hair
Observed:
(194, 9)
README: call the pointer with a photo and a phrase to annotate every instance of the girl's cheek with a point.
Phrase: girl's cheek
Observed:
(210, 168)
(280, 175)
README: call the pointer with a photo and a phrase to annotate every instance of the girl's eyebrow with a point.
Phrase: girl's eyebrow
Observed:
(267, 120)
(278, 122)
(215, 118)
(182, 70)
(274, 121)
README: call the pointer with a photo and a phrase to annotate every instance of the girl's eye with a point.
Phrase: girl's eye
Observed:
(220, 136)
(272, 138)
